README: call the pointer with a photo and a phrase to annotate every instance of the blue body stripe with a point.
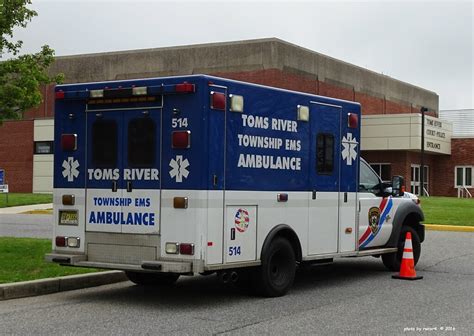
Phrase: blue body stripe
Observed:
(381, 221)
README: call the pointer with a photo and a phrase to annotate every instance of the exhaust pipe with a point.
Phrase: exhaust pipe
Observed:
(234, 276)
(225, 277)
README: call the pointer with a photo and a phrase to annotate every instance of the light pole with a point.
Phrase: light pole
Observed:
(422, 164)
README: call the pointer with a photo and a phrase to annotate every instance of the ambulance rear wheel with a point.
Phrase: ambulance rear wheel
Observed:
(393, 260)
(152, 279)
(275, 276)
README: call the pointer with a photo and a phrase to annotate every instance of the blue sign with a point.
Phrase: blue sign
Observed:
(2, 176)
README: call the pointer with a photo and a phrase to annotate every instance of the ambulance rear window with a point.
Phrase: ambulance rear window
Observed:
(104, 143)
(141, 142)
(325, 153)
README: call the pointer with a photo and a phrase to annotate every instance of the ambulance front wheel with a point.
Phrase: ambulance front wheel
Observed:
(393, 260)
(152, 279)
(275, 276)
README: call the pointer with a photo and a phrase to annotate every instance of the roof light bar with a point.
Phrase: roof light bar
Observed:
(140, 91)
(96, 93)
(185, 88)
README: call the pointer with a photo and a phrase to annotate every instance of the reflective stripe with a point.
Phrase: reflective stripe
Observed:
(407, 255)
(408, 244)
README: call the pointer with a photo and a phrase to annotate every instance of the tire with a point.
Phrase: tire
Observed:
(276, 274)
(393, 260)
(152, 279)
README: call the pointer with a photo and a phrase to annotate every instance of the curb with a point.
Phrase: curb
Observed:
(38, 212)
(61, 284)
(435, 227)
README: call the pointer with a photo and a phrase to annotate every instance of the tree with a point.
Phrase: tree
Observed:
(20, 76)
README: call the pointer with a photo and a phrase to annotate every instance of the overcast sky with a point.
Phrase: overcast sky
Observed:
(426, 43)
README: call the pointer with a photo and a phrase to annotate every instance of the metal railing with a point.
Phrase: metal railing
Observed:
(426, 193)
(463, 192)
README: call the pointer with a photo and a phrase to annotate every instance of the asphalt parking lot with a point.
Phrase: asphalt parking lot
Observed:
(349, 297)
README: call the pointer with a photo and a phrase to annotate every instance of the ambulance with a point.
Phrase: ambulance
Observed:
(197, 174)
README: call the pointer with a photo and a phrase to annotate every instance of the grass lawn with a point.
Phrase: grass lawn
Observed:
(22, 259)
(448, 210)
(15, 199)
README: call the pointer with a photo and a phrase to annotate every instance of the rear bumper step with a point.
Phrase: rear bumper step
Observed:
(178, 267)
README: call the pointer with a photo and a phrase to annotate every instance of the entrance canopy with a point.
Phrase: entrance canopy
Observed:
(403, 132)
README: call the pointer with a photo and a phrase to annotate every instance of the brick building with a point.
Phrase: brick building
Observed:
(391, 124)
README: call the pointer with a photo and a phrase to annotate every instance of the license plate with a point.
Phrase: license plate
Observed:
(68, 218)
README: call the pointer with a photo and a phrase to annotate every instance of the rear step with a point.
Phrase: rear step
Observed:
(161, 266)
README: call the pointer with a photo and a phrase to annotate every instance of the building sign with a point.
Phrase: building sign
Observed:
(3, 186)
(437, 135)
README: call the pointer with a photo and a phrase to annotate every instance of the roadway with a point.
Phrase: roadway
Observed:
(24, 225)
(351, 296)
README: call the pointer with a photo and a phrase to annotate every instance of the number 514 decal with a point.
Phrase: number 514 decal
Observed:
(179, 122)
(234, 250)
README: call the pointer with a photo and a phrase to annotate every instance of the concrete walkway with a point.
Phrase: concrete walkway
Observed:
(24, 208)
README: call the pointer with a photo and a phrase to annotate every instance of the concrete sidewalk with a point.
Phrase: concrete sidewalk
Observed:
(25, 208)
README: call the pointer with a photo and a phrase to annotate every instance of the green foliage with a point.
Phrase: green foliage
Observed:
(20, 76)
(22, 259)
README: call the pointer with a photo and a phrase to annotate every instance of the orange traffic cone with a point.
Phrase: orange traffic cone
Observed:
(407, 268)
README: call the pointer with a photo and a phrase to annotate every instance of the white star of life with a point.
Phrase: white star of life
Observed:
(70, 169)
(179, 168)
(349, 151)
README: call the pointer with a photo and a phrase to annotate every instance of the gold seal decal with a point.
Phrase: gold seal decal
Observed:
(374, 217)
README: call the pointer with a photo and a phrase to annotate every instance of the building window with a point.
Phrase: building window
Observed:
(384, 170)
(44, 147)
(325, 154)
(463, 176)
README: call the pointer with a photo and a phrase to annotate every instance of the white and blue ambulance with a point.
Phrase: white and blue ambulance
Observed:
(197, 174)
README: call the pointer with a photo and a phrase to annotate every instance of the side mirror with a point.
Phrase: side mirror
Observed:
(398, 186)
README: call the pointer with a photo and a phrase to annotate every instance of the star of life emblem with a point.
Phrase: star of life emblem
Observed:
(179, 168)
(70, 169)
(349, 145)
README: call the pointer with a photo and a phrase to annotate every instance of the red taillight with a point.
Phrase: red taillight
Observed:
(217, 100)
(181, 139)
(60, 241)
(282, 197)
(186, 249)
(60, 95)
(185, 87)
(69, 142)
(352, 120)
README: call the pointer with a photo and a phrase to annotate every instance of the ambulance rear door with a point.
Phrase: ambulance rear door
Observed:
(123, 160)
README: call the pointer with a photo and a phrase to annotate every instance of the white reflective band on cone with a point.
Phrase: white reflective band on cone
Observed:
(407, 255)
(408, 244)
